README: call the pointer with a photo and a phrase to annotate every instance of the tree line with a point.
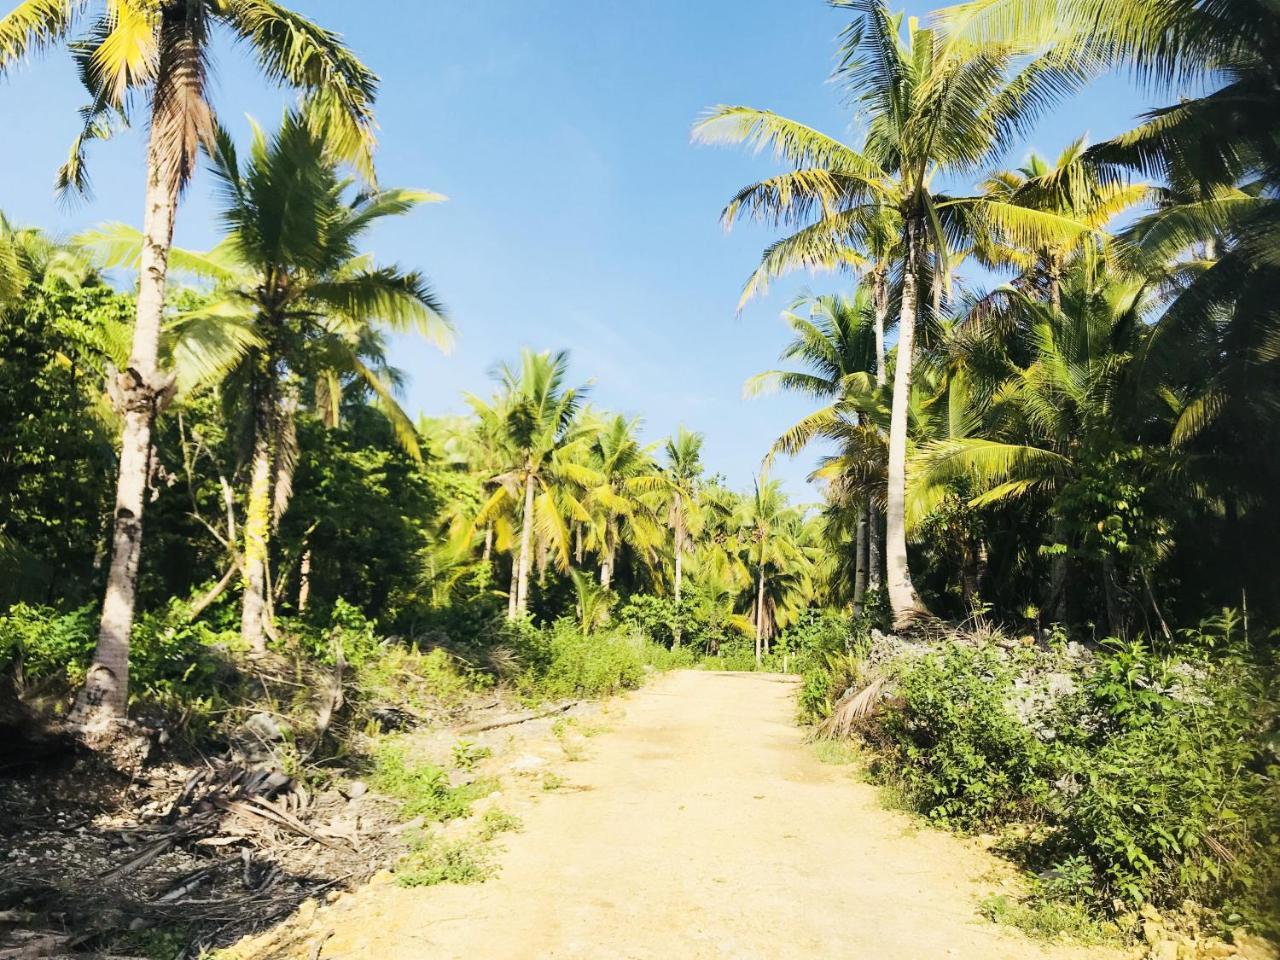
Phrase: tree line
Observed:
(1083, 442)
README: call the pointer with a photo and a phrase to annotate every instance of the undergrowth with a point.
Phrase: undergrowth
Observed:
(1137, 774)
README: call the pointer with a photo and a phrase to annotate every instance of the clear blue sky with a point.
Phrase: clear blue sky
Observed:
(579, 216)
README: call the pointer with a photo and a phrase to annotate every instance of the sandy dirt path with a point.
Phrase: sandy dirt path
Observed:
(700, 826)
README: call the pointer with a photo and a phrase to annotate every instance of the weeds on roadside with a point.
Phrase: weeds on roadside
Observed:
(432, 860)
(422, 788)
(497, 821)
(1049, 919)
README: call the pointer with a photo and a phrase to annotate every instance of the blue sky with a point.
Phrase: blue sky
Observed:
(579, 215)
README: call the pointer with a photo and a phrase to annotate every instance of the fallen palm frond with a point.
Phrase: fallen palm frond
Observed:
(853, 706)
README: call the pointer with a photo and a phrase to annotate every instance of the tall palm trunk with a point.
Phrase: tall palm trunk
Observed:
(759, 614)
(875, 529)
(860, 560)
(526, 547)
(606, 559)
(304, 581)
(488, 544)
(143, 392)
(902, 594)
(514, 588)
(257, 527)
(679, 551)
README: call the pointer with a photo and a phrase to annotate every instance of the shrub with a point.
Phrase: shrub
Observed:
(1176, 793)
(181, 667)
(48, 643)
(1133, 776)
(561, 661)
(958, 750)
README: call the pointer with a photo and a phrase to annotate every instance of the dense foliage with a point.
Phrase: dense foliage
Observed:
(1047, 398)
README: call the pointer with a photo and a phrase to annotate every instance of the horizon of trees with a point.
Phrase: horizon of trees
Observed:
(1083, 444)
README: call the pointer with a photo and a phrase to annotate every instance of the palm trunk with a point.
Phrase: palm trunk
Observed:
(1056, 607)
(304, 581)
(606, 560)
(860, 560)
(488, 544)
(875, 529)
(514, 590)
(1055, 284)
(143, 393)
(880, 294)
(257, 531)
(526, 548)
(902, 594)
(679, 545)
(759, 615)
(875, 549)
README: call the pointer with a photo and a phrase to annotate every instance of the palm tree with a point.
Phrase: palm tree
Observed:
(160, 50)
(538, 415)
(934, 104)
(840, 343)
(1070, 187)
(775, 550)
(617, 495)
(295, 302)
(1048, 420)
(683, 474)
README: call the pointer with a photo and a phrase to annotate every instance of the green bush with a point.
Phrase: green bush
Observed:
(1147, 777)
(48, 643)
(178, 666)
(565, 662)
(960, 754)
(1176, 793)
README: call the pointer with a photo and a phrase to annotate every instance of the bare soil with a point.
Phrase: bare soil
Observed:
(699, 825)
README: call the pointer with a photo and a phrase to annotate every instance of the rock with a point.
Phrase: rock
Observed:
(1164, 950)
(1253, 947)
(355, 789)
(306, 913)
(263, 727)
(528, 763)
(1152, 932)
(382, 878)
(1215, 949)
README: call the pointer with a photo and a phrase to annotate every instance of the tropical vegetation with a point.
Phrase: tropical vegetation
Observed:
(1035, 573)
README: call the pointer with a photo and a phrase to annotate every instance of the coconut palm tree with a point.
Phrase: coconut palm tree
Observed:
(774, 548)
(683, 473)
(539, 420)
(1050, 419)
(840, 343)
(1070, 187)
(158, 50)
(934, 104)
(295, 303)
(619, 495)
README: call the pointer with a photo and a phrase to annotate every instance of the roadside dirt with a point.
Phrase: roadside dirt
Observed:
(699, 825)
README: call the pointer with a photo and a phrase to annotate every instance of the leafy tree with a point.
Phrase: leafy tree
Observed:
(159, 52)
(296, 303)
(933, 104)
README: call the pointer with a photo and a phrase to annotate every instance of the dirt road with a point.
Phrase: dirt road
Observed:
(700, 826)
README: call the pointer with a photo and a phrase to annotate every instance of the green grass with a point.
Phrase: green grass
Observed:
(497, 821)
(423, 789)
(1046, 919)
(432, 860)
(838, 752)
